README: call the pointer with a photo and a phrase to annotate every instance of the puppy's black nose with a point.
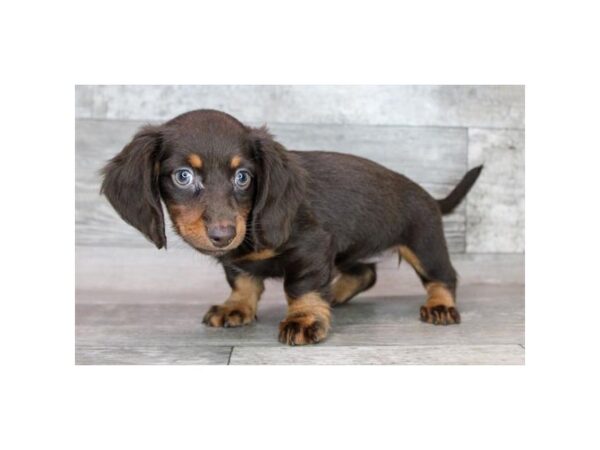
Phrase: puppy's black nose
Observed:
(221, 235)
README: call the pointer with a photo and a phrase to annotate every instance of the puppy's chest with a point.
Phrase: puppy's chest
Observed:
(264, 263)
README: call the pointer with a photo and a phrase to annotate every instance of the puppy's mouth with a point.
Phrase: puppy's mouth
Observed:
(212, 252)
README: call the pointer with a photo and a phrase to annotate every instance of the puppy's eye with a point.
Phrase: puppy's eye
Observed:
(183, 177)
(242, 179)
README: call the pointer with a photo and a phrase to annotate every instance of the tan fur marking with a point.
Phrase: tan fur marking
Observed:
(195, 161)
(412, 259)
(240, 308)
(309, 303)
(240, 231)
(236, 161)
(345, 286)
(189, 224)
(304, 313)
(438, 294)
(259, 256)
(247, 290)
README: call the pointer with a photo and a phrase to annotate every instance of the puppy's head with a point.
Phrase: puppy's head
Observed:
(222, 183)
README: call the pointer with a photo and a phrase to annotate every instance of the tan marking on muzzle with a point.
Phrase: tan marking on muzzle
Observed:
(190, 225)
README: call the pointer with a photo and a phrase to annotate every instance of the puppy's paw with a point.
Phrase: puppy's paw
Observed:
(440, 315)
(303, 328)
(229, 315)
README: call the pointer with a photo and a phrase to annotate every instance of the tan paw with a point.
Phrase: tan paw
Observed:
(229, 315)
(303, 328)
(440, 315)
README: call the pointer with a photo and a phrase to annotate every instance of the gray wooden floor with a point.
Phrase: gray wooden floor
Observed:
(142, 306)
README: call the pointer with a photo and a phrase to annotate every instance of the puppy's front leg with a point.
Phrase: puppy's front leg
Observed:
(307, 321)
(240, 308)
(308, 316)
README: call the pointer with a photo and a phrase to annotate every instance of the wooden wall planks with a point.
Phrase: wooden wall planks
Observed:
(446, 106)
(496, 205)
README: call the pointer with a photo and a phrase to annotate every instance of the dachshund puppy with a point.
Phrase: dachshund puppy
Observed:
(310, 217)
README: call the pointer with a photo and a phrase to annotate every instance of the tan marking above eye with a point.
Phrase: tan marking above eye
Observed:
(195, 161)
(236, 161)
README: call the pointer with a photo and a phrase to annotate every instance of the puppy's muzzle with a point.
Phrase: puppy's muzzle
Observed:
(221, 235)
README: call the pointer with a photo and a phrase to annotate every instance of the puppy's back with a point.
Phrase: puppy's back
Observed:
(363, 203)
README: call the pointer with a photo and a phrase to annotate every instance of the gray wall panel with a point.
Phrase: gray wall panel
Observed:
(454, 106)
(496, 205)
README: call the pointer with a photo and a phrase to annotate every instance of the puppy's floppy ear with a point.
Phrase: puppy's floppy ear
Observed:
(131, 185)
(280, 190)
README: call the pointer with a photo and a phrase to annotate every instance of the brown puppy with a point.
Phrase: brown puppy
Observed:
(236, 194)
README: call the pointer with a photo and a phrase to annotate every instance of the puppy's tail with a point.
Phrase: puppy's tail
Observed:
(458, 193)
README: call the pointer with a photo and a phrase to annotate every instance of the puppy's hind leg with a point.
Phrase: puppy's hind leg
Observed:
(428, 255)
(351, 281)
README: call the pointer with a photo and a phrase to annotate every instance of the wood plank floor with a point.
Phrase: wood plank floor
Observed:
(140, 306)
